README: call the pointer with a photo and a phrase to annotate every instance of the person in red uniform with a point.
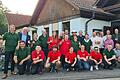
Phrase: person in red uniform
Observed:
(82, 56)
(53, 60)
(70, 60)
(37, 60)
(95, 59)
(53, 40)
(64, 48)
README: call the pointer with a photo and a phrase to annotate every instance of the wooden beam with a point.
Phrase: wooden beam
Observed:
(111, 7)
(37, 11)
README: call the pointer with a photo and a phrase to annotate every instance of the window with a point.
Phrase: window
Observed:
(66, 26)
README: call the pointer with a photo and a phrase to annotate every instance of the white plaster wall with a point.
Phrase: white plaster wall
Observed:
(79, 24)
(39, 29)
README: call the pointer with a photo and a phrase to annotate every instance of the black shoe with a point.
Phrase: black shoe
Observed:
(105, 67)
(110, 68)
(52, 70)
(73, 69)
(27, 73)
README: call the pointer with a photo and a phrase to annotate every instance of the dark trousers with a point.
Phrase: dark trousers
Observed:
(45, 50)
(106, 65)
(92, 63)
(55, 66)
(63, 61)
(9, 59)
(68, 66)
(25, 67)
(101, 51)
(36, 68)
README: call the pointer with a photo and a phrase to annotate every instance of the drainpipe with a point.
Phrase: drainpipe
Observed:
(93, 16)
(86, 24)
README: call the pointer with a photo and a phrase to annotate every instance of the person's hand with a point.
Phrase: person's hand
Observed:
(98, 63)
(16, 61)
(68, 62)
(118, 59)
(33, 42)
(29, 42)
(95, 62)
(108, 60)
(37, 58)
(17, 47)
(84, 59)
(72, 65)
(34, 62)
(50, 41)
(109, 63)
(53, 61)
(21, 62)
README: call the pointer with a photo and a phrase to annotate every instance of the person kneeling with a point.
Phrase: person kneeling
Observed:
(70, 60)
(117, 52)
(82, 56)
(53, 61)
(37, 58)
(109, 58)
(22, 58)
(95, 59)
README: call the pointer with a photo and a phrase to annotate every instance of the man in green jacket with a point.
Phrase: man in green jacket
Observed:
(11, 43)
(43, 39)
(22, 58)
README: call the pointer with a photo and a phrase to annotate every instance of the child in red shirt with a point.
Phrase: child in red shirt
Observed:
(82, 56)
(70, 60)
(95, 59)
(37, 58)
(53, 60)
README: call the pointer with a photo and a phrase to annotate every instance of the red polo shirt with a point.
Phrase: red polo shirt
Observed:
(70, 57)
(40, 55)
(54, 42)
(64, 48)
(54, 55)
(96, 56)
(82, 54)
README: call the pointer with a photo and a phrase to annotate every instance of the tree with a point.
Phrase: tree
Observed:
(3, 19)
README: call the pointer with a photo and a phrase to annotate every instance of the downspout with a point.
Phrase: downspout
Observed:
(93, 16)
(86, 24)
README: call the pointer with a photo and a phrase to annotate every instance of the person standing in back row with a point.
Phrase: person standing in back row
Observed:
(53, 40)
(43, 39)
(87, 43)
(24, 36)
(11, 43)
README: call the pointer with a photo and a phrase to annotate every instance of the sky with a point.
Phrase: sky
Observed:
(20, 6)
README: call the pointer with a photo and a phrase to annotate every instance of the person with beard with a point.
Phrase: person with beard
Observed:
(22, 58)
(53, 62)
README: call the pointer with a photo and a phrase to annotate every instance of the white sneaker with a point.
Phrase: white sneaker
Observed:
(96, 67)
(67, 70)
(91, 68)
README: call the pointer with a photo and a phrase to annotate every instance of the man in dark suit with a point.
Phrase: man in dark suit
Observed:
(24, 36)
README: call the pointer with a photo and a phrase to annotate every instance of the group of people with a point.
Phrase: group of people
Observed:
(53, 53)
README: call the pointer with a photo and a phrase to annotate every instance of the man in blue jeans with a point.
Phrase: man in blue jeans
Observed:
(82, 56)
